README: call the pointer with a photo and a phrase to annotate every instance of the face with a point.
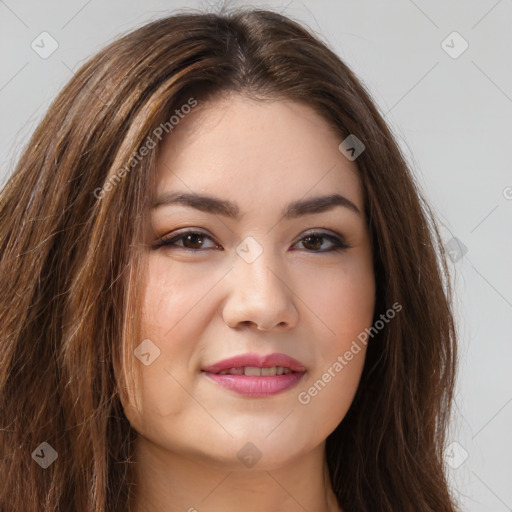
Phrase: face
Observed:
(250, 272)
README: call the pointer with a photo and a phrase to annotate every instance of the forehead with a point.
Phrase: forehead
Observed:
(256, 150)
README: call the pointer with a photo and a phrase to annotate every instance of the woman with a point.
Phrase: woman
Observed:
(175, 334)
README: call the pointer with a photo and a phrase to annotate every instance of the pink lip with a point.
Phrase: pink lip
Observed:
(252, 359)
(257, 386)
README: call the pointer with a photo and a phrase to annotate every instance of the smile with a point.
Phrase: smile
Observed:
(256, 375)
(254, 371)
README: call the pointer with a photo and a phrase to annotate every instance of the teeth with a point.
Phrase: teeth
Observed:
(254, 371)
(232, 371)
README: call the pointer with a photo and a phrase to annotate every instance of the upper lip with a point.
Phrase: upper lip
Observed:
(256, 360)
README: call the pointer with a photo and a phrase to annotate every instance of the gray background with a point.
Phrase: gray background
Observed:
(451, 115)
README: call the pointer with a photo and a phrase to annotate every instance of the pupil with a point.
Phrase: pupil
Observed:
(194, 237)
(314, 237)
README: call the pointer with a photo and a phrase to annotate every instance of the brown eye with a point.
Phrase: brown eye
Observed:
(314, 241)
(193, 240)
(190, 241)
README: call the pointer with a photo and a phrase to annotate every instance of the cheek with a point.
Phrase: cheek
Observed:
(343, 298)
(169, 295)
(166, 316)
(345, 301)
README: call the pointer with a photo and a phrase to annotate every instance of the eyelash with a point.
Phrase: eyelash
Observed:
(169, 241)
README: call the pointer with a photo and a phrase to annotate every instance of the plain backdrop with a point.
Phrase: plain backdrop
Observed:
(440, 73)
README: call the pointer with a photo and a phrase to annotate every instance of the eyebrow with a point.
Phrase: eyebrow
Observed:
(230, 209)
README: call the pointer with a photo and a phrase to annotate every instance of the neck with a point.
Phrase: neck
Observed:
(170, 482)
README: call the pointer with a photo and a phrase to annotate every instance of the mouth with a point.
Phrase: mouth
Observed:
(257, 364)
(255, 371)
(256, 376)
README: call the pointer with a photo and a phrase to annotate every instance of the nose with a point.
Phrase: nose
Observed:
(260, 294)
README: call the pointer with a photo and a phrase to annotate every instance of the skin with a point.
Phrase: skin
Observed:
(201, 307)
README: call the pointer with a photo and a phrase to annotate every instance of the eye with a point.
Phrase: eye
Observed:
(194, 241)
(191, 241)
(313, 241)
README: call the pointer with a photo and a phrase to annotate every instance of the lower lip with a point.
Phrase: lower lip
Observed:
(257, 386)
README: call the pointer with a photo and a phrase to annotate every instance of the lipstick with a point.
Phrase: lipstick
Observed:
(256, 375)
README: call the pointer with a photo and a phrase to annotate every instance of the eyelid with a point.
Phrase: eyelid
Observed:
(320, 232)
(179, 233)
(338, 240)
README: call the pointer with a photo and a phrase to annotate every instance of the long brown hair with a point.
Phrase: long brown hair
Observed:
(71, 225)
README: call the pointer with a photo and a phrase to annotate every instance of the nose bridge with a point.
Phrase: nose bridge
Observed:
(258, 291)
(258, 271)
